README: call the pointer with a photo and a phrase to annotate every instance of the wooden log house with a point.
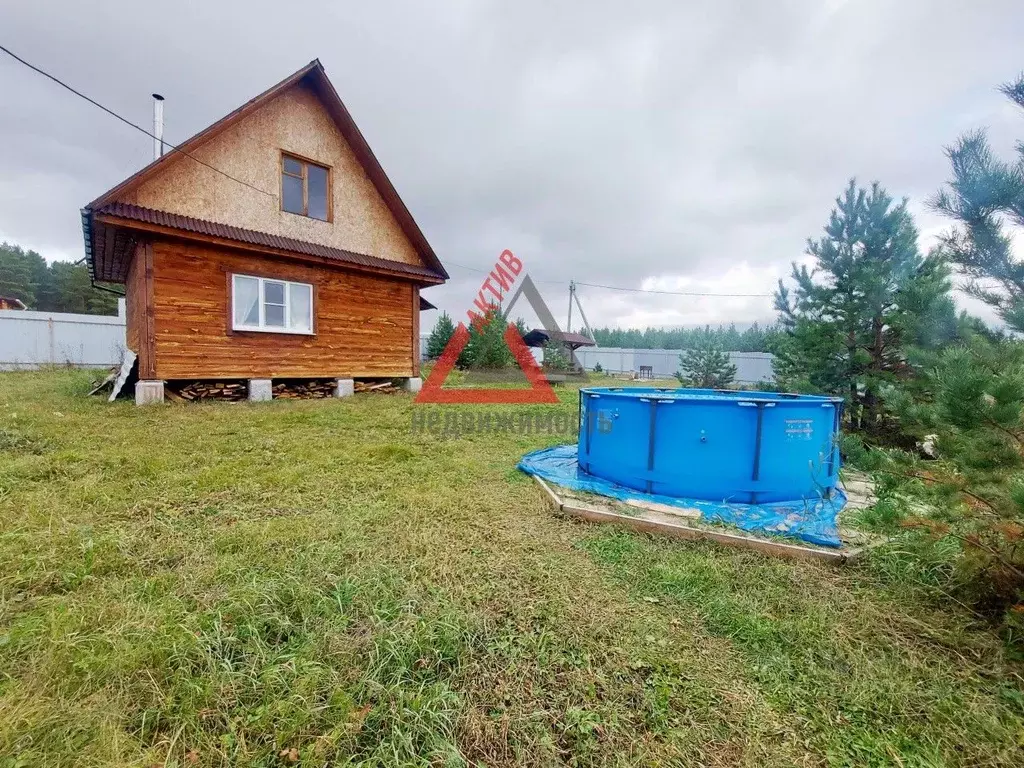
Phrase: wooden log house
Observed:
(271, 245)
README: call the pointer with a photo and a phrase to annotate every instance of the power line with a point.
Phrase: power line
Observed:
(463, 266)
(632, 290)
(678, 293)
(487, 272)
(126, 121)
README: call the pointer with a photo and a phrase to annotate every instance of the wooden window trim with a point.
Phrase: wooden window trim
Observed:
(306, 162)
(262, 278)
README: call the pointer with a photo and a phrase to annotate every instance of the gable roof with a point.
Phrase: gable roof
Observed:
(314, 76)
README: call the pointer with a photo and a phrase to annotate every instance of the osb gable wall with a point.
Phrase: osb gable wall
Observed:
(250, 150)
(364, 325)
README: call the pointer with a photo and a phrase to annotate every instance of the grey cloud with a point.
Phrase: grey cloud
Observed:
(606, 142)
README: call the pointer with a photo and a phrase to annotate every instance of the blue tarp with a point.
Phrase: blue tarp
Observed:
(813, 520)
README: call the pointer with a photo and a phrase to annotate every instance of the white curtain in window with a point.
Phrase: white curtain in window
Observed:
(247, 301)
(300, 305)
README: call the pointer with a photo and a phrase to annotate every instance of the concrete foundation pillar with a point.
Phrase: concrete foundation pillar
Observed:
(259, 390)
(414, 384)
(345, 388)
(149, 392)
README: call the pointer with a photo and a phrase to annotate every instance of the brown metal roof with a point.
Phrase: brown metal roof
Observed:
(125, 214)
(538, 337)
(312, 74)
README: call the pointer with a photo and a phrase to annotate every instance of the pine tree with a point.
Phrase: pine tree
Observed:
(707, 367)
(851, 319)
(18, 279)
(557, 357)
(73, 291)
(968, 397)
(974, 415)
(62, 286)
(487, 348)
(984, 195)
(439, 337)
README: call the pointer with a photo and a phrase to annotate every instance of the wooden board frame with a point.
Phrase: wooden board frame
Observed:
(680, 531)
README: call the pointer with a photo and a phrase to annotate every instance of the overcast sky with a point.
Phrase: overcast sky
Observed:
(662, 145)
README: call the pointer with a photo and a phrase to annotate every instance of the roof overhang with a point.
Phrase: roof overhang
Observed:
(538, 337)
(112, 233)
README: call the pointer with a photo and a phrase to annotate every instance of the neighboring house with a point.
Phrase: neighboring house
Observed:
(9, 302)
(272, 245)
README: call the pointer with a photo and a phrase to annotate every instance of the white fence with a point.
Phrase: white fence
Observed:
(751, 367)
(34, 339)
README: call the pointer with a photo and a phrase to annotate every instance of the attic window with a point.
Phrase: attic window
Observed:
(305, 188)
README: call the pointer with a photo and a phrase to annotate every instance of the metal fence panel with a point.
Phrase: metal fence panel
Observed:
(751, 367)
(612, 359)
(34, 339)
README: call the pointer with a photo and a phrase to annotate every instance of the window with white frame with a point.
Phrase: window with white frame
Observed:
(274, 306)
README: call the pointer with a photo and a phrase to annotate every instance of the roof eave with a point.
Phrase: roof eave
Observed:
(87, 237)
(127, 218)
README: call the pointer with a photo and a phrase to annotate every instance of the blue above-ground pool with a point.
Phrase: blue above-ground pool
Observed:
(719, 445)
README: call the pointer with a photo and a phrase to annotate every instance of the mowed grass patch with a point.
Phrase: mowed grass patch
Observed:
(316, 583)
(872, 677)
(312, 581)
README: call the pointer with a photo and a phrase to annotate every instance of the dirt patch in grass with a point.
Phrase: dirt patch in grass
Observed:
(315, 583)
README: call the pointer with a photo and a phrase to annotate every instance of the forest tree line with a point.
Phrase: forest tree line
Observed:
(754, 338)
(60, 286)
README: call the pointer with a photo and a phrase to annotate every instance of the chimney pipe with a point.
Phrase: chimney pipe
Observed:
(158, 126)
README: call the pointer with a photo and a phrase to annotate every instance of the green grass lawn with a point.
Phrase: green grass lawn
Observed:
(308, 583)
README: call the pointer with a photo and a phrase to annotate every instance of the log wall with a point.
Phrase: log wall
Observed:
(364, 324)
(139, 331)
